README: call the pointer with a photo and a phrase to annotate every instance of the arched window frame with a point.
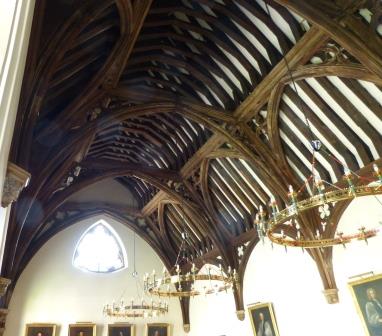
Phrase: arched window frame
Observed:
(115, 236)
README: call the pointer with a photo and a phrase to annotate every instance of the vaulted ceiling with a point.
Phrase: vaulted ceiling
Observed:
(190, 106)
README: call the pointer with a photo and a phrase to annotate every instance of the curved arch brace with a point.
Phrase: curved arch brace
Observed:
(27, 235)
(47, 64)
(239, 291)
(94, 211)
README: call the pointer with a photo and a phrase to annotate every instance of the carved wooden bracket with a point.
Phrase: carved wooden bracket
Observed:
(186, 328)
(15, 180)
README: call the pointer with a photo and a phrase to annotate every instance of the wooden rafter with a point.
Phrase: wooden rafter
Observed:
(339, 21)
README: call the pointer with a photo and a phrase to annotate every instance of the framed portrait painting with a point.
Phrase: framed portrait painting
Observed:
(40, 329)
(263, 319)
(121, 329)
(158, 329)
(82, 329)
(367, 295)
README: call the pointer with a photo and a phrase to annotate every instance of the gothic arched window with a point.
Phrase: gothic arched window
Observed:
(100, 250)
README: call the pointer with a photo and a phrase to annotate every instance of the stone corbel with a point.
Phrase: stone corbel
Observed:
(331, 295)
(240, 314)
(4, 283)
(16, 180)
(186, 328)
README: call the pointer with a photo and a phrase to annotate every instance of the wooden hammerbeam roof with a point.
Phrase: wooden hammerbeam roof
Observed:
(190, 106)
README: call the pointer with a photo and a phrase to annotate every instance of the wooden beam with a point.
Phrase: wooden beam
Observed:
(339, 21)
(298, 55)
(346, 70)
(138, 16)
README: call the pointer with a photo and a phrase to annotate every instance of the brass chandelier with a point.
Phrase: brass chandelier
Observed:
(136, 308)
(133, 309)
(190, 283)
(322, 201)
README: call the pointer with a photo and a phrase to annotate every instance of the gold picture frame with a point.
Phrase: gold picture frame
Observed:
(86, 328)
(158, 329)
(263, 319)
(116, 329)
(44, 329)
(367, 296)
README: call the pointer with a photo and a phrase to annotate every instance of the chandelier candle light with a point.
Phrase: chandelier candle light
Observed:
(135, 309)
(187, 285)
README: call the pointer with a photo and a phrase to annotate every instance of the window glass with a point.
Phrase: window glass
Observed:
(100, 250)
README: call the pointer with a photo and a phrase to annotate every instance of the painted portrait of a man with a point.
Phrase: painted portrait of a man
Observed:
(158, 329)
(263, 320)
(367, 294)
(373, 309)
(82, 329)
(120, 329)
(40, 329)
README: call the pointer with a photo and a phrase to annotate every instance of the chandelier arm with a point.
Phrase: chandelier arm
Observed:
(340, 207)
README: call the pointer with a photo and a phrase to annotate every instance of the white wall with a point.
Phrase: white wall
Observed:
(7, 10)
(291, 281)
(51, 290)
